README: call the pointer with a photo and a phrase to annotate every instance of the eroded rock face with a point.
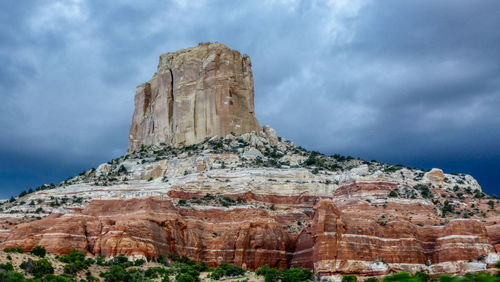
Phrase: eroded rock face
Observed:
(196, 93)
(255, 199)
(435, 175)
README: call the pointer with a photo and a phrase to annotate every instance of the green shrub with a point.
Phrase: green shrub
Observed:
(115, 274)
(371, 279)
(91, 278)
(139, 262)
(11, 276)
(288, 275)
(296, 274)
(119, 273)
(272, 275)
(446, 278)
(447, 207)
(491, 204)
(75, 261)
(187, 269)
(201, 267)
(217, 274)
(422, 276)
(37, 268)
(150, 273)
(121, 260)
(393, 193)
(184, 277)
(14, 249)
(405, 276)
(226, 270)
(100, 260)
(71, 269)
(424, 190)
(56, 278)
(349, 278)
(39, 251)
(7, 266)
(392, 169)
(163, 261)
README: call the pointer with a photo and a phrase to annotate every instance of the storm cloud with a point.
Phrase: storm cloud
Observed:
(412, 82)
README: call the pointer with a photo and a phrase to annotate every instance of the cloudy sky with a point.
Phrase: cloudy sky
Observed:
(411, 82)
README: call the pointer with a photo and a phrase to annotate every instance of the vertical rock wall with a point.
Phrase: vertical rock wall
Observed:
(198, 92)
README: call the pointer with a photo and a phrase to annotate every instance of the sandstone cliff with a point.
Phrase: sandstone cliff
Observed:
(196, 93)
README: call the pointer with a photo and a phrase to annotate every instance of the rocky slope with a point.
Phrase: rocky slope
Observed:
(240, 199)
(253, 199)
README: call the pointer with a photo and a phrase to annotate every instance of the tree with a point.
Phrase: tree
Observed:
(38, 268)
(349, 278)
(39, 251)
(184, 277)
(491, 204)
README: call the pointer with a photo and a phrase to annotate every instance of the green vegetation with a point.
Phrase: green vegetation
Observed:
(393, 168)
(491, 204)
(7, 266)
(75, 261)
(182, 268)
(14, 249)
(424, 190)
(37, 268)
(226, 270)
(319, 161)
(39, 251)
(294, 274)
(349, 278)
(209, 199)
(11, 276)
(447, 208)
(424, 277)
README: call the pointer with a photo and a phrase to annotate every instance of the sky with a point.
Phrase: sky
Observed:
(404, 82)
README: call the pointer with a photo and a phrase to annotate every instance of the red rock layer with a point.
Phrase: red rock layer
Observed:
(341, 244)
(341, 234)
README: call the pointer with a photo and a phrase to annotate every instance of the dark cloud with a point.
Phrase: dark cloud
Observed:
(413, 82)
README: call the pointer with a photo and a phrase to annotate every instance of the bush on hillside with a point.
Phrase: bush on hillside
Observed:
(14, 249)
(349, 278)
(294, 274)
(39, 251)
(37, 268)
(226, 270)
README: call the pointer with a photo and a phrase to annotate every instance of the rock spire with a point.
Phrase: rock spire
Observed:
(196, 93)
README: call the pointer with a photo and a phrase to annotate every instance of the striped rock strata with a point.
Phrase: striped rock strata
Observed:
(215, 203)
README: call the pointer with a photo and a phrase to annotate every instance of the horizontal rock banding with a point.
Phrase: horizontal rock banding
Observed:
(330, 241)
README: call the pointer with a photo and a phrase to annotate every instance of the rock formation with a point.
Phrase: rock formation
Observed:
(196, 93)
(252, 198)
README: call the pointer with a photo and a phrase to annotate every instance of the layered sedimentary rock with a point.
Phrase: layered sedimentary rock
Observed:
(252, 198)
(196, 93)
(215, 202)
